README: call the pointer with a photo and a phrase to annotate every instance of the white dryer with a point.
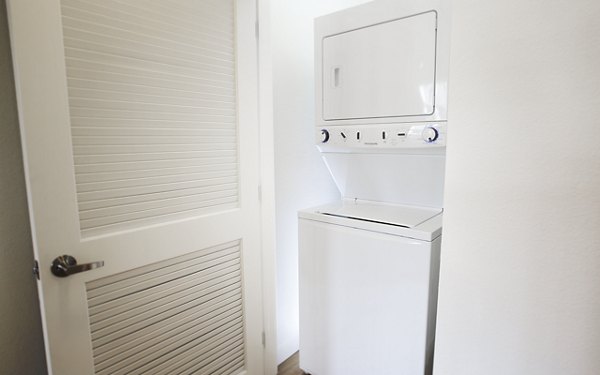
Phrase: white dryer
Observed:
(368, 288)
(368, 267)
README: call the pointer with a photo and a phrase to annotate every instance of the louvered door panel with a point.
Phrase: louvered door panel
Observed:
(153, 107)
(183, 315)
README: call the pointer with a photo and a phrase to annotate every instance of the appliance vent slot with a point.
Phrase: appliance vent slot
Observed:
(183, 315)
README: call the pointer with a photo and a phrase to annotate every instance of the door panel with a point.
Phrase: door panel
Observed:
(140, 135)
(147, 320)
(107, 41)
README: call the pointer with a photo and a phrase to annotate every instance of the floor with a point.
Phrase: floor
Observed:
(290, 366)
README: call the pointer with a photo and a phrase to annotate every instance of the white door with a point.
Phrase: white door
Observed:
(140, 134)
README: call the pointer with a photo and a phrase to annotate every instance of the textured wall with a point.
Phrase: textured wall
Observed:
(520, 271)
(21, 342)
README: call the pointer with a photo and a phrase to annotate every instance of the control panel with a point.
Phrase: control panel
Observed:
(382, 137)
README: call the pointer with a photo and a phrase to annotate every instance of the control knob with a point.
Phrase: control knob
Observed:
(324, 135)
(430, 134)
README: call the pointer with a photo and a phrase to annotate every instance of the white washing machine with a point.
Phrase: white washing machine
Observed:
(368, 267)
(368, 288)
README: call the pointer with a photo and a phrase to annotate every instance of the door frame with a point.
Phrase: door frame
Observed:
(267, 184)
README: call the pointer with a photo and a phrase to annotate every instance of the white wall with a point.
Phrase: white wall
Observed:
(520, 273)
(301, 179)
(21, 342)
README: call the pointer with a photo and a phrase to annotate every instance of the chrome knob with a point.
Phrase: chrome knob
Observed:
(66, 265)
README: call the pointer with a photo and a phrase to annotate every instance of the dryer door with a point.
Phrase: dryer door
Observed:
(383, 70)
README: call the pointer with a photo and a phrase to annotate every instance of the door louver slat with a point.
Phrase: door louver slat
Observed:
(182, 315)
(152, 87)
(141, 340)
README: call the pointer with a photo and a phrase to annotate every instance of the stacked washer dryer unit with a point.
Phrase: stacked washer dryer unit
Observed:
(369, 263)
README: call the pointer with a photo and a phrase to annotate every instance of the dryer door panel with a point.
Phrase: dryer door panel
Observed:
(384, 70)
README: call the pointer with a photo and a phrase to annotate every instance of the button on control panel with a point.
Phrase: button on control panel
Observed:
(390, 136)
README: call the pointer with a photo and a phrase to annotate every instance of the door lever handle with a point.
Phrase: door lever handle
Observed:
(66, 265)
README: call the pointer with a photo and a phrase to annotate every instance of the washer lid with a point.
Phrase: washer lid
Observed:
(401, 216)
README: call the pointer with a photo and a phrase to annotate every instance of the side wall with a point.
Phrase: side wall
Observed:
(21, 341)
(520, 269)
(301, 178)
